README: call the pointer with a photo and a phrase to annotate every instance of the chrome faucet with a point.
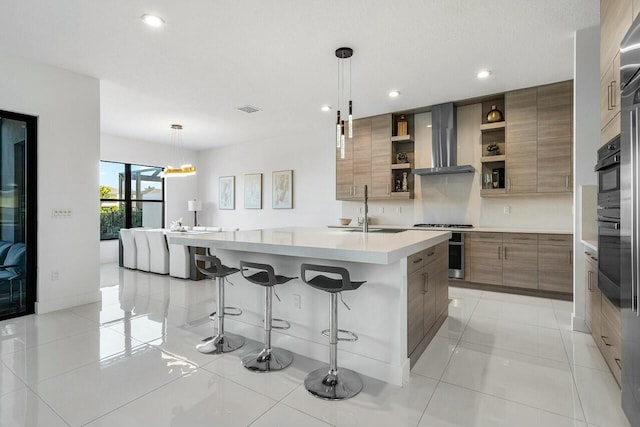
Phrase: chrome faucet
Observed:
(365, 223)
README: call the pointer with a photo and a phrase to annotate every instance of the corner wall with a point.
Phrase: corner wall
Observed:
(68, 109)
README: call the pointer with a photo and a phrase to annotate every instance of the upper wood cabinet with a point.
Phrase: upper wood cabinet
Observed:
(522, 141)
(361, 156)
(381, 127)
(635, 8)
(367, 160)
(539, 139)
(615, 20)
(555, 137)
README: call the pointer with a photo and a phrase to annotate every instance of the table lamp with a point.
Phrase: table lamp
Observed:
(195, 206)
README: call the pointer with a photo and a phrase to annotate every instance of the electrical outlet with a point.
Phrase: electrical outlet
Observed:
(55, 275)
(507, 210)
(297, 301)
(399, 209)
(381, 209)
(61, 213)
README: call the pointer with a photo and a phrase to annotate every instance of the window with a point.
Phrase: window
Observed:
(130, 196)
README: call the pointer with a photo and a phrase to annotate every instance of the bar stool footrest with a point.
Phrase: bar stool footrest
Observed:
(352, 336)
(232, 311)
(286, 324)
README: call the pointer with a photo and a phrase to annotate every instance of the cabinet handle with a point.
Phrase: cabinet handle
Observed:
(430, 254)
(609, 96)
(508, 184)
(570, 256)
(425, 288)
(499, 252)
(566, 182)
(618, 362)
(613, 94)
(589, 280)
(388, 188)
(415, 261)
(604, 340)
(505, 252)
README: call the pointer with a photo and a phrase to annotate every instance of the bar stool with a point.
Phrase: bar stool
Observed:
(220, 343)
(334, 383)
(269, 358)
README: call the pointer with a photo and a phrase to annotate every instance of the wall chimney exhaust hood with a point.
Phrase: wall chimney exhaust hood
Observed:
(444, 144)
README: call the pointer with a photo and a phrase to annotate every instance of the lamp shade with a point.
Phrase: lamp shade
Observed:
(194, 205)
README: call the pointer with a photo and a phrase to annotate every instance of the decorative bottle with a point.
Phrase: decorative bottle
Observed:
(405, 184)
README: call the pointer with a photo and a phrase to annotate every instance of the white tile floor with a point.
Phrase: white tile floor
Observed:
(499, 360)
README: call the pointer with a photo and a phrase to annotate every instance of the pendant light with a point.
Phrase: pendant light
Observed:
(343, 53)
(176, 141)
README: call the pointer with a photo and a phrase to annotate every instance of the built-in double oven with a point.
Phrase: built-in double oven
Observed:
(609, 244)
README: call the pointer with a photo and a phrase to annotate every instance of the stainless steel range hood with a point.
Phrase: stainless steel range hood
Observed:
(444, 144)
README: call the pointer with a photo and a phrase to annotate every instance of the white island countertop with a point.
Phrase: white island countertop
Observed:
(324, 243)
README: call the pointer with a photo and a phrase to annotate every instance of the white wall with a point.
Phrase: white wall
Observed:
(455, 199)
(312, 158)
(68, 110)
(586, 143)
(178, 191)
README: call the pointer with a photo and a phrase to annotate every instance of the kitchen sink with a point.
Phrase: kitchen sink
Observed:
(378, 230)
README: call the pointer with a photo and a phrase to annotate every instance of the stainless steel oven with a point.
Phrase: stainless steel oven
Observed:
(609, 244)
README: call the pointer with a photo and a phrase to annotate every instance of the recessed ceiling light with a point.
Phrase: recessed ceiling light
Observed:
(483, 74)
(326, 108)
(152, 20)
(428, 126)
(394, 94)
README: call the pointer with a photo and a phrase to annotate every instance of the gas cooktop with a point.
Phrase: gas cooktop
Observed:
(445, 225)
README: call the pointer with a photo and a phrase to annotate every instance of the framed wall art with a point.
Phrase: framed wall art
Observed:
(253, 191)
(282, 189)
(227, 192)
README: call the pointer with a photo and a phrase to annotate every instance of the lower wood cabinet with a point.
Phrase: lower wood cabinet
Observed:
(427, 292)
(603, 319)
(555, 262)
(520, 260)
(486, 258)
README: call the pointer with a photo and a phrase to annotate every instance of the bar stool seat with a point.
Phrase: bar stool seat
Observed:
(221, 342)
(269, 358)
(332, 383)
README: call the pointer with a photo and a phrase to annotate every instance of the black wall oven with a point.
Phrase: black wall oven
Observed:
(609, 244)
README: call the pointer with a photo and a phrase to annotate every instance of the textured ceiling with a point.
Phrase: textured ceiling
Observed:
(214, 56)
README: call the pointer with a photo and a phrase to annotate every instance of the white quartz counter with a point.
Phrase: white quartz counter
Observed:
(324, 243)
(590, 244)
(474, 229)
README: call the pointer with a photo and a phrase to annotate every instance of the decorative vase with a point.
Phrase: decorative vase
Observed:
(402, 125)
(401, 157)
(494, 115)
(405, 183)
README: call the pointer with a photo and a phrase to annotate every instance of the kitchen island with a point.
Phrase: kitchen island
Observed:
(394, 313)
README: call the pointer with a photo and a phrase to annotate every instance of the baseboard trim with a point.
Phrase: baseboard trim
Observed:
(67, 302)
(511, 290)
(579, 324)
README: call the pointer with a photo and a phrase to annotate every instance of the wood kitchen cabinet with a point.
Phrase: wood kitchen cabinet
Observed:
(520, 260)
(522, 141)
(485, 258)
(615, 20)
(427, 293)
(381, 127)
(555, 137)
(367, 160)
(555, 262)
(592, 294)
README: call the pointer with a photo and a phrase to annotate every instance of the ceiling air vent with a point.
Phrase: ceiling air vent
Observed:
(249, 109)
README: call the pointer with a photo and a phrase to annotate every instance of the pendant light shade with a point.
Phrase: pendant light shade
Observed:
(185, 169)
(343, 54)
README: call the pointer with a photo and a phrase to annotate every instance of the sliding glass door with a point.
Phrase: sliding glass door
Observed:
(17, 214)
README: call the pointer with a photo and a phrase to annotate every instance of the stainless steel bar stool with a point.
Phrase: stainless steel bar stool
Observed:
(221, 342)
(332, 383)
(269, 358)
